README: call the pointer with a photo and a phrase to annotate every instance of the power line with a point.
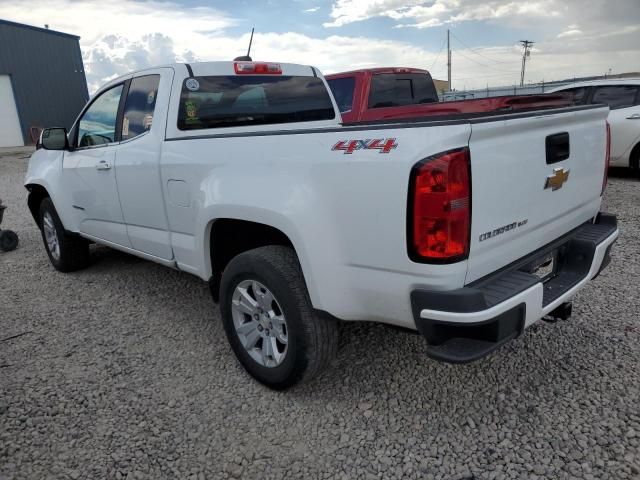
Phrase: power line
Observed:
(481, 63)
(438, 56)
(515, 72)
(476, 50)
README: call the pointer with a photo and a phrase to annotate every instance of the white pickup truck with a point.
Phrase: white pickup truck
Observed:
(466, 228)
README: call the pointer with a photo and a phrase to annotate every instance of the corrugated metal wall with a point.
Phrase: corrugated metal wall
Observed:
(47, 74)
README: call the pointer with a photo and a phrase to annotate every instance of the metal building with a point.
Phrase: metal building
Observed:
(42, 81)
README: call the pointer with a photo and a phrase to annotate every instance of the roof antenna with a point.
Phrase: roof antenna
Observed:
(246, 58)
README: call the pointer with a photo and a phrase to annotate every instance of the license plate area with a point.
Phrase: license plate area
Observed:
(544, 267)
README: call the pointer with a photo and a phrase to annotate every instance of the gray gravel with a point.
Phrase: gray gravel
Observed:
(123, 371)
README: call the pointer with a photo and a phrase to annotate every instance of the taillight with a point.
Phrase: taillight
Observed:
(257, 68)
(439, 216)
(607, 158)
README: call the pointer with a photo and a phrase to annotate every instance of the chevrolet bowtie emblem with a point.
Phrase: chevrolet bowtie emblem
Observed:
(557, 179)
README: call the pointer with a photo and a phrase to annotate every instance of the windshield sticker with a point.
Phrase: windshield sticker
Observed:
(384, 145)
(192, 84)
(125, 127)
(192, 112)
(147, 121)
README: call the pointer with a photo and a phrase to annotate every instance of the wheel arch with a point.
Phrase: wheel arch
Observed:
(228, 237)
(37, 193)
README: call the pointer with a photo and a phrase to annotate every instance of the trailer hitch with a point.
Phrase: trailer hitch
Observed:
(562, 312)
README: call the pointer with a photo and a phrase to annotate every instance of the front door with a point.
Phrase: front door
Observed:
(89, 169)
(624, 119)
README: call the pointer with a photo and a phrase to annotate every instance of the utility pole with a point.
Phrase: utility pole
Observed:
(448, 60)
(526, 52)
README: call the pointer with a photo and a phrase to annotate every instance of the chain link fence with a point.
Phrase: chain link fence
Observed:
(529, 89)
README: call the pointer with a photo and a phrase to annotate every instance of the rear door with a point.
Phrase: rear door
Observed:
(534, 178)
(138, 162)
(624, 118)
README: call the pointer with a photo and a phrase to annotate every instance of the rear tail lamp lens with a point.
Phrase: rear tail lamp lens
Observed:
(439, 216)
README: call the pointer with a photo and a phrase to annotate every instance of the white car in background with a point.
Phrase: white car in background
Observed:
(623, 98)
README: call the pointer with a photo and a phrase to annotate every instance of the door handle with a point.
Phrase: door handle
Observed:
(635, 116)
(103, 165)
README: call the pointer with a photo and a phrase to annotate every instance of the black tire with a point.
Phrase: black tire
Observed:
(8, 240)
(312, 339)
(634, 161)
(74, 250)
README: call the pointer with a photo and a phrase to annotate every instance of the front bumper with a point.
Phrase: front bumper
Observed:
(466, 324)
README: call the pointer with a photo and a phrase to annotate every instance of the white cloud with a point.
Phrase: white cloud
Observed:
(131, 35)
(312, 10)
(127, 35)
(570, 32)
(425, 14)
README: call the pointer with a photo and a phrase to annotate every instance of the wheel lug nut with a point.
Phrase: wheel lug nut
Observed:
(267, 332)
(260, 328)
(256, 316)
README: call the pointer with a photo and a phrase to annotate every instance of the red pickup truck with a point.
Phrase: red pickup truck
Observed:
(387, 93)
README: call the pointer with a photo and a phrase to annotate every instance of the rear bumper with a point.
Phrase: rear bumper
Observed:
(466, 324)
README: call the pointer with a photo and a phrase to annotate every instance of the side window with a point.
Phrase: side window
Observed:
(395, 90)
(98, 124)
(579, 94)
(616, 96)
(140, 105)
(342, 89)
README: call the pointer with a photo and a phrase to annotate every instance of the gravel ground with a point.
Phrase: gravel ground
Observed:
(123, 371)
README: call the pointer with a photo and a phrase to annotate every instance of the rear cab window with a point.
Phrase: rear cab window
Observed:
(231, 101)
(397, 90)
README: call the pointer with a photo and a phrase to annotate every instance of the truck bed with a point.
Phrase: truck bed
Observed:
(478, 116)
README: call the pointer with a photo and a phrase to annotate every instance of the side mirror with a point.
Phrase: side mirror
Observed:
(54, 139)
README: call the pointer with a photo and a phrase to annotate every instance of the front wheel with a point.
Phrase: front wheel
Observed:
(66, 252)
(268, 318)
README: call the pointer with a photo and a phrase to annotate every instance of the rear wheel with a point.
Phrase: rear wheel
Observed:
(268, 318)
(66, 252)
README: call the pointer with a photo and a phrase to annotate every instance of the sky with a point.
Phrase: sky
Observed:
(572, 37)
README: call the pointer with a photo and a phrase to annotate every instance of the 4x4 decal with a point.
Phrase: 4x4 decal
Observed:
(385, 145)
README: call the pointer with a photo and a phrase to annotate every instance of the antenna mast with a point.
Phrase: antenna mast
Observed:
(246, 58)
(250, 41)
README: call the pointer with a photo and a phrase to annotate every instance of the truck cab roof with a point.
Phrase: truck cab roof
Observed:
(377, 71)
(214, 68)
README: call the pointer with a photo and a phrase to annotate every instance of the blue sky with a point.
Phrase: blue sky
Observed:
(573, 37)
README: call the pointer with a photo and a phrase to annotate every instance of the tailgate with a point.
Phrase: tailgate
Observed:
(512, 159)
